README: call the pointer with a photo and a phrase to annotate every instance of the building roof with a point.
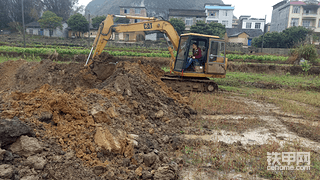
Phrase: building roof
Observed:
(202, 35)
(187, 12)
(234, 32)
(33, 24)
(155, 8)
(132, 6)
(220, 7)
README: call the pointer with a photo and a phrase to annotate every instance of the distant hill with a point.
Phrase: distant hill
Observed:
(154, 7)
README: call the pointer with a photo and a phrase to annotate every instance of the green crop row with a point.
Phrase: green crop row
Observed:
(78, 51)
(255, 57)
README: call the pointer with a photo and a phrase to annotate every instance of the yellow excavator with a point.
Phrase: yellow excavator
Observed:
(212, 64)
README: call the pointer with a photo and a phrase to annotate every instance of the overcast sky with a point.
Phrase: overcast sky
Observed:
(255, 8)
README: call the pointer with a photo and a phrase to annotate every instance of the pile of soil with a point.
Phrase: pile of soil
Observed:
(117, 116)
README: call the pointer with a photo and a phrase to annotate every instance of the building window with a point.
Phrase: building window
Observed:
(225, 13)
(50, 32)
(296, 9)
(306, 23)
(294, 21)
(213, 14)
(225, 23)
(257, 25)
(248, 25)
(189, 21)
(127, 11)
(137, 10)
(30, 31)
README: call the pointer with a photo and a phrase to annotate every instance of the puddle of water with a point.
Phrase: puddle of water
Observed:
(273, 131)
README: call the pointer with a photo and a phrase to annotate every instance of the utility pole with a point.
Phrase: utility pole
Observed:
(24, 32)
(264, 31)
(89, 28)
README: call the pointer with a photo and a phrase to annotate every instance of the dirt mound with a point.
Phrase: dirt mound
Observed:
(27, 76)
(122, 120)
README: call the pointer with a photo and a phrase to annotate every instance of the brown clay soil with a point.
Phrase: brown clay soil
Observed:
(120, 116)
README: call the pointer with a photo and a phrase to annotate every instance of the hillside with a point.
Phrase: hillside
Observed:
(154, 7)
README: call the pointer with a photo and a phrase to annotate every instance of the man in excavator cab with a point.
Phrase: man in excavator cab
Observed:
(196, 55)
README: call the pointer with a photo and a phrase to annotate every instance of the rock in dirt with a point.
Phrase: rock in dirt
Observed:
(36, 162)
(151, 131)
(69, 155)
(146, 175)
(46, 117)
(30, 178)
(98, 170)
(11, 130)
(113, 141)
(138, 171)
(26, 146)
(149, 159)
(159, 114)
(166, 173)
(6, 171)
(2, 152)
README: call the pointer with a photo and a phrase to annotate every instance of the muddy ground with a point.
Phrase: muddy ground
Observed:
(118, 118)
(113, 120)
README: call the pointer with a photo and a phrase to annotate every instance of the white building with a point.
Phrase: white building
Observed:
(34, 28)
(288, 13)
(220, 13)
(246, 22)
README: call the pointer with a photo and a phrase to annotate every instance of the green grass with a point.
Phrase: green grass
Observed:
(30, 58)
(70, 51)
(239, 79)
(252, 159)
(255, 57)
(166, 69)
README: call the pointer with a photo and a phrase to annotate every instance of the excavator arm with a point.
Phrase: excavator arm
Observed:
(107, 27)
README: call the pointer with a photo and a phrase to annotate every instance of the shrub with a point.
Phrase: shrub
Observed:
(308, 52)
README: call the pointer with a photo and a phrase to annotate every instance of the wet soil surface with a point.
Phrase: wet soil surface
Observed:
(112, 120)
(117, 117)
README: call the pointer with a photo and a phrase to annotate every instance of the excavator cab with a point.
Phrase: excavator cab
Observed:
(213, 61)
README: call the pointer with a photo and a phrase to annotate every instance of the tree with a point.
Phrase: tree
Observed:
(78, 23)
(285, 39)
(10, 11)
(62, 8)
(96, 21)
(212, 28)
(122, 20)
(50, 20)
(178, 25)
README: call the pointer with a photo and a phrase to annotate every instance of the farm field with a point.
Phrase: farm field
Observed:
(118, 120)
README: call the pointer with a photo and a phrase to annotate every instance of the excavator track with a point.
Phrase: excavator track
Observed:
(188, 84)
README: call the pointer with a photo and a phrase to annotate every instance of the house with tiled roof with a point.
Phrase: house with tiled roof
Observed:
(244, 36)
